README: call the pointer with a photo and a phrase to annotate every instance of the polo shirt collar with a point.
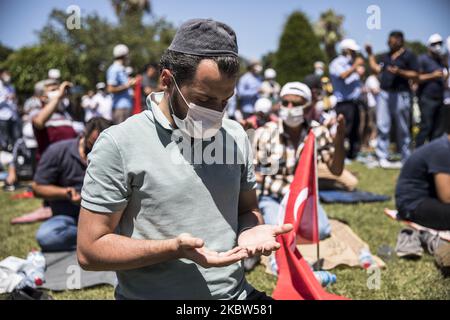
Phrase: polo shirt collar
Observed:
(153, 101)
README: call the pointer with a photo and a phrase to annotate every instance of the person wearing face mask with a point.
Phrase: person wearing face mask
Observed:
(347, 88)
(270, 88)
(319, 68)
(119, 84)
(10, 124)
(31, 105)
(263, 113)
(51, 123)
(277, 147)
(432, 78)
(396, 68)
(58, 180)
(171, 225)
(103, 101)
(249, 88)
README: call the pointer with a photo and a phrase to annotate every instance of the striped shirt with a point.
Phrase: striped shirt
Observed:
(276, 157)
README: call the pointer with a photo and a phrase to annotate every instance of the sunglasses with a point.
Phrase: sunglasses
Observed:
(286, 103)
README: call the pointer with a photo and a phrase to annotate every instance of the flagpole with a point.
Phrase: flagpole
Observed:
(317, 201)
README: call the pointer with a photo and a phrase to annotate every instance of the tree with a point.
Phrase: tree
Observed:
(84, 54)
(417, 47)
(29, 65)
(268, 60)
(298, 49)
(131, 8)
(329, 30)
(4, 52)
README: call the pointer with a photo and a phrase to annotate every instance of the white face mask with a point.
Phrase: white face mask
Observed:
(6, 79)
(438, 50)
(258, 69)
(318, 72)
(200, 122)
(52, 94)
(292, 117)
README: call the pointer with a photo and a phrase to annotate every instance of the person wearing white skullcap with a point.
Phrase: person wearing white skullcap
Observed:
(119, 83)
(286, 139)
(54, 74)
(433, 75)
(263, 113)
(103, 101)
(347, 87)
(270, 88)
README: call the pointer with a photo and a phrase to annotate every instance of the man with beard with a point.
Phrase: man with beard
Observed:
(396, 68)
(170, 225)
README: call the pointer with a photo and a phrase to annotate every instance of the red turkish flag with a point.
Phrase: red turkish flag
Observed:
(137, 107)
(296, 280)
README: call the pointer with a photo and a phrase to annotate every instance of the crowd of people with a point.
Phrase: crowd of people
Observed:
(355, 106)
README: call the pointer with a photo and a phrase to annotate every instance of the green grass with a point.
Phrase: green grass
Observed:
(401, 279)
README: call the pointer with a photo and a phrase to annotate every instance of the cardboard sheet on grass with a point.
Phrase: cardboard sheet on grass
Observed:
(340, 249)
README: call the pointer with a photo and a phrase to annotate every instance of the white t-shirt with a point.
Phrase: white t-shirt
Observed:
(372, 85)
(104, 105)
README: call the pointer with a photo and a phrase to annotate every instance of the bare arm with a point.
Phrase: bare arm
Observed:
(249, 215)
(408, 74)
(438, 74)
(46, 112)
(117, 89)
(374, 66)
(358, 61)
(336, 163)
(99, 248)
(442, 182)
(49, 192)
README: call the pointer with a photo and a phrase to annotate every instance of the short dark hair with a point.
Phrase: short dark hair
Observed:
(397, 34)
(184, 66)
(96, 123)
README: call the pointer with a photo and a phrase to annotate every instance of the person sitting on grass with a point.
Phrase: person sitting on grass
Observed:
(278, 145)
(423, 188)
(58, 179)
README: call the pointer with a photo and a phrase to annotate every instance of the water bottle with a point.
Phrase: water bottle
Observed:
(33, 271)
(325, 278)
(273, 264)
(365, 258)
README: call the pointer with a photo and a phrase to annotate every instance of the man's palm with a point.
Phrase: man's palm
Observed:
(193, 249)
(262, 239)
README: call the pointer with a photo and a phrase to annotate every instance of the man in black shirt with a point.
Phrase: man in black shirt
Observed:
(433, 74)
(396, 68)
(59, 179)
(423, 194)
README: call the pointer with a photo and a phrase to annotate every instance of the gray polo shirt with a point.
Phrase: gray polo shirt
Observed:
(139, 167)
